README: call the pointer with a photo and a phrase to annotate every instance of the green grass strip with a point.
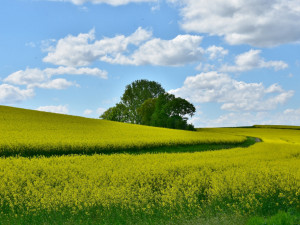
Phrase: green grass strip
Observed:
(70, 150)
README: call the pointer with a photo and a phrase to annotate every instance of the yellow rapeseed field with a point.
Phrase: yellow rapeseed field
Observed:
(33, 132)
(261, 179)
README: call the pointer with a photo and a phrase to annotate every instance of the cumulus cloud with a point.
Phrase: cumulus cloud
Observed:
(11, 94)
(76, 71)
(84, 49)
(258, 22)
(287, 117)
(181, 50)
(109, 2)
(292, 115)
(25, 77)
(53, 84)
(100, 110)
(252, 60)
(214, 55)
(87, 112)
(63, 109)
(216, 52)
(205, 67)
(274, 88)
(234, 119)
(232, 94)
(34, 77)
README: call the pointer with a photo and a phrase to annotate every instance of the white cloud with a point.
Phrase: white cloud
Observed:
(87, 112)
(83, 49)
(291, 116)
(55, 109)
(216, 52)
(47, 45)
(233, 119)
(274, 88)
(25, 77)
(100, 110)
(30, 44)
(76, 71)
(11, 94)
(234, 95)
(53, 84)
(205, 67)
(292, 112)
(256, 22)
(109, 2)
(41, 78)
(181, 50)
(251, 60)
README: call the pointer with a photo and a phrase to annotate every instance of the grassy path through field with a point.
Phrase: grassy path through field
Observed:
(187, 148)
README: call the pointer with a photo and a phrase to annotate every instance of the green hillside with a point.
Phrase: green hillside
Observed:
(212, 187)
(30, 132)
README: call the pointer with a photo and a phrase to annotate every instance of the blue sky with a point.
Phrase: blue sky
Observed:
(236, 61)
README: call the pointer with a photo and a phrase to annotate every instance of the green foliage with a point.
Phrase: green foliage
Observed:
(278, 127)
(146, 110)
(145, 102)
(136, 94)
(281, 218)
(167, 111)
(117, 113)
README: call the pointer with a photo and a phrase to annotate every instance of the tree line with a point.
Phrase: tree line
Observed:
(147, 103)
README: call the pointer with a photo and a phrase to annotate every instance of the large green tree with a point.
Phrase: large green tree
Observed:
(146, 110)
(146, 102)
(167, 111)
(117, 113)
(136, 94)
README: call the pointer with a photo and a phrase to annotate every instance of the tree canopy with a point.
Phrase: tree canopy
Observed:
(167, 111)
(136, 94)
(146, 102)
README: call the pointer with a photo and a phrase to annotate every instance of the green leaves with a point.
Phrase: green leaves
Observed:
(146, 102)
(137, 93)
(167, 111)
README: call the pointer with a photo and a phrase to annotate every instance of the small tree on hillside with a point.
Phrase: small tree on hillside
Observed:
(146, 110)
(116, 113)
(136, 94)
(146, 102)
(167, 111)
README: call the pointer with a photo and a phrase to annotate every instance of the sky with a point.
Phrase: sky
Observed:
(237, 61)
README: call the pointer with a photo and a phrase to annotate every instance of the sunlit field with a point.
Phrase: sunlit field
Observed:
(228, 186)
(28, 132)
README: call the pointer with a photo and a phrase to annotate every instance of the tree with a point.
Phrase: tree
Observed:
(167, 111)
(116, 113)
(146, 102)
(146, 110)
(179, 107)
(136, 94)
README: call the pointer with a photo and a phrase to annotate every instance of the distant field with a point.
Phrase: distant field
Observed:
(278, 127)
(213, 187)
(29, 132)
